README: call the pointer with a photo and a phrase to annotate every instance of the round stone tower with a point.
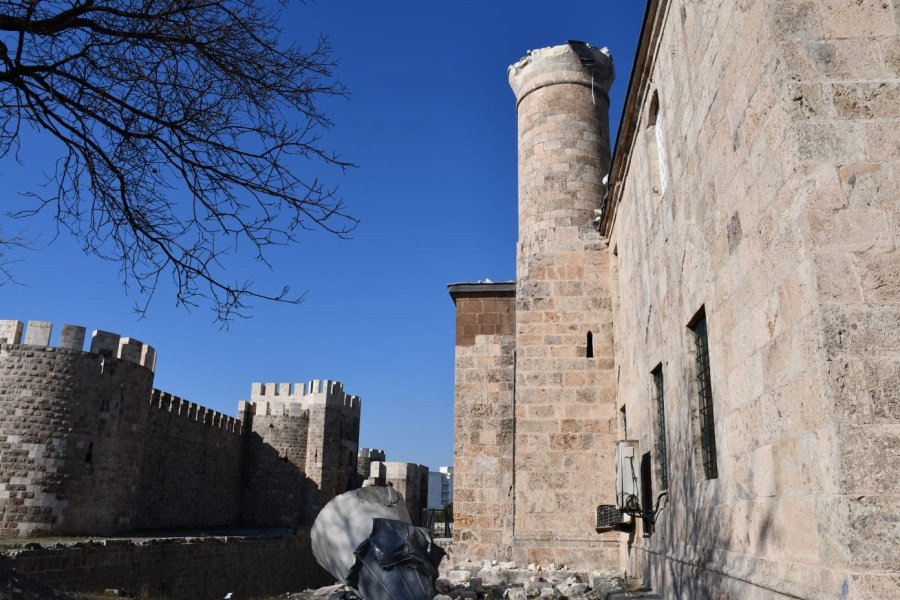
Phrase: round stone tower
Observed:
(563, 109)
(72, 432)
(564, 382)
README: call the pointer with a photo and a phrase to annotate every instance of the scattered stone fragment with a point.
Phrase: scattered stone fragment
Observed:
(516, 593)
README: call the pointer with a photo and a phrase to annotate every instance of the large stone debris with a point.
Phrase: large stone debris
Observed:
(346, 522)
(366, 540)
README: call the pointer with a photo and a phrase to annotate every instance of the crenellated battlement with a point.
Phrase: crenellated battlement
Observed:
(284, 398)
(192, 411)
(72, 337)
(99, 450)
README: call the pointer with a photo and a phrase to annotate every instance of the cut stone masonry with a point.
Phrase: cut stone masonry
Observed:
(89, 447)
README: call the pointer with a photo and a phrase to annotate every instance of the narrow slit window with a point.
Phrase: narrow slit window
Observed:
(704, 396)
(590, 345)
(660, 402)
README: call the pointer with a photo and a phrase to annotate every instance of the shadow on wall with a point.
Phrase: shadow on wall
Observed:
(691, 556)
(277, 493)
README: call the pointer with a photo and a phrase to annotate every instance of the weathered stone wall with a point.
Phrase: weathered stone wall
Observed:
(302, 450)
(364, 459)
(85, 448)
(564, 382)
(484, 418)
(277, 486)
(189, 568)
(776, 211)
(191, 467)
(411, 480)
(72, 429)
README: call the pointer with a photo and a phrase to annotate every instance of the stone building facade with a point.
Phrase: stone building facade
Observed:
(745, 325)
(410, 479)
(88, 447)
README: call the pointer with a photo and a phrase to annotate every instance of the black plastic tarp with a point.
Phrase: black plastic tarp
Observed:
(398, 561)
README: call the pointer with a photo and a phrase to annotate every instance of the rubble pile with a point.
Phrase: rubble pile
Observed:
(492, 580)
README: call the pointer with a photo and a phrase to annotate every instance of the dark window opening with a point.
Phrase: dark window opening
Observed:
(89, 457)
(704, 394)
(662, 457)
(590, 345)
(647, 493)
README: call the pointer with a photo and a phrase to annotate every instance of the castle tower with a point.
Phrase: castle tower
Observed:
(564, 383)
(302, 450)
(72, 429)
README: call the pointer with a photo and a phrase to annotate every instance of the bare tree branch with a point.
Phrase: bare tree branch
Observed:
(155, 101)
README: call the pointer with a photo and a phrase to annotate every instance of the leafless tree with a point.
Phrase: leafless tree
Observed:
(182, 124)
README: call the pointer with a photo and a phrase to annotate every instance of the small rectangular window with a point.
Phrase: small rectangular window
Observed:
(704, 394)
(662, 458)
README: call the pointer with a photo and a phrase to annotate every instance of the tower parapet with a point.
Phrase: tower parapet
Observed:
(166, 402)
(72, 337)
(289, 398)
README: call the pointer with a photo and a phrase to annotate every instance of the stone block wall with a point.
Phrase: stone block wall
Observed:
(306, 435)
(87, 447)
(775, 212)
(277, 486)
(72, 429)
(364, 460)
(177, 568)
(564, 379)
(484, 416)
(411, 480)
(190, 474)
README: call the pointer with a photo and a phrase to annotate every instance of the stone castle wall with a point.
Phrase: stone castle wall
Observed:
(87, 447)
(775, 210)
(303, 442)
(71, 424)
(191, 466)
(204, 568)
(277, 486)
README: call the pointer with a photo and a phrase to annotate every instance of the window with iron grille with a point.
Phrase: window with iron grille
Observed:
(659, 394)
(704, 393)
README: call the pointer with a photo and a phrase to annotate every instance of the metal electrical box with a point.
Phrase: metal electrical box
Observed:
(628, 482)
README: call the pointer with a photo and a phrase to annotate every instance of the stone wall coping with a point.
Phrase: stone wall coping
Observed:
(191, 411)
(499, 288)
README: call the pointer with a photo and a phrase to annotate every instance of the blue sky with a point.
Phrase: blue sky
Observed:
(431, 123)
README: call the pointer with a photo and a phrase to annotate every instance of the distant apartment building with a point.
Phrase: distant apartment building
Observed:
(440, 487)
